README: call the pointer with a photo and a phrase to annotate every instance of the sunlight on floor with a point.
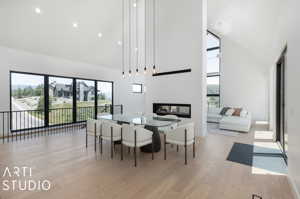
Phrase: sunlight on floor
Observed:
(263, 135)
(268, 166)
(266, 147)
(261, 122)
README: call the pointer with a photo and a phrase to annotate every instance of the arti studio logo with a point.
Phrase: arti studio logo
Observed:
(21, 179)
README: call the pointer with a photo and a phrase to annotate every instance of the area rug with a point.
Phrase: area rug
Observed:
(214, 129)
(241, 153)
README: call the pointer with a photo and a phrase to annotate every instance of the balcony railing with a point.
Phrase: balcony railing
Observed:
(28, 123)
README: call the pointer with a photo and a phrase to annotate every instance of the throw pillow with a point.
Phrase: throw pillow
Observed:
(237, 112)
(224, 110)
(244, 113)
(229, 112)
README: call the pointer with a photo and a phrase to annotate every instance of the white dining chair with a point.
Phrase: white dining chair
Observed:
(110, 132)
(183, 135)
(93, 128)
(135, 137)
(168, 128)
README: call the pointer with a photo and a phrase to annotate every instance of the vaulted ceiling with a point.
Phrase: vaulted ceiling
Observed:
(255, 24)
(258, 25)
(47, 27)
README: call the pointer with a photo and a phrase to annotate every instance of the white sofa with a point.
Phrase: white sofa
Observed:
(235, 123)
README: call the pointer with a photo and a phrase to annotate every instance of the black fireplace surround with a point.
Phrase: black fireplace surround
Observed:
(180, 110)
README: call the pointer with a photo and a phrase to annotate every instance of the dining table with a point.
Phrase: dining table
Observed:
(150, 122)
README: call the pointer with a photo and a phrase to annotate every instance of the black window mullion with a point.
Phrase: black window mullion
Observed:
(46, 100)
(96, 99)
(74, 101)
(213, 48)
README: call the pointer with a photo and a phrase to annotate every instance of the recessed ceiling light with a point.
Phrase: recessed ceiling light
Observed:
(119, 43)
(75, 25)
(38, 10)
(100, 35)
(134, 5)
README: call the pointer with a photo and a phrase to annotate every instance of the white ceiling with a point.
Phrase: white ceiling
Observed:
(257, 25)
(52, 33)
(254, 24)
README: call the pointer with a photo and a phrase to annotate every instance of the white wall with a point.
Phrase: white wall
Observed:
(11, 59)
(293, 95)
(181, 41)
(244, 80)
(272, 99)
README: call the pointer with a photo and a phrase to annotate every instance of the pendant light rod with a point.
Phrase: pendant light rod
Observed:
(129, 45)
(154, 36)
(123, 42)
(145, 44)
(137, 36)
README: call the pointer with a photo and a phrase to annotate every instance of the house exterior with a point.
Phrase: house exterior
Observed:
(84, 92)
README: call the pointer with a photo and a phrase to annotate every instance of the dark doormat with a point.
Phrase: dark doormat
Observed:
(241, 153)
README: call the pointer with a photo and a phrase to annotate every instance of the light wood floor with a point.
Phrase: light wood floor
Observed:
(81, 174)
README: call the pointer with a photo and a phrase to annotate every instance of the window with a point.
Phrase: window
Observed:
(27, 101)
(137, 88)
(60, 100)
(85, 99)
(44, 100)
(104, 93)
(213, 70)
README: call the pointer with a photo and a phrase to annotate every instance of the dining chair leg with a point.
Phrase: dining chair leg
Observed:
(111, 143)
(152, 145)
(165, 147)
(135, 163)
(121, 144)
(177, 148)
(194, 152)
(185, 147)
(86, 138)
(95, 137)
(128, 150)
(101, 144)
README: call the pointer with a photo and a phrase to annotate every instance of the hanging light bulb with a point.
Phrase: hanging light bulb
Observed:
(129, 73)
(145, 70)
(137, 71)
(154, 69)
(123, 74)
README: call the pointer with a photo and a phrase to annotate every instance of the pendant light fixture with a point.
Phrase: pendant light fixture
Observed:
(154, 37)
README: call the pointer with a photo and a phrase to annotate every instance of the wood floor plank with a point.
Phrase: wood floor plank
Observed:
(77, 172)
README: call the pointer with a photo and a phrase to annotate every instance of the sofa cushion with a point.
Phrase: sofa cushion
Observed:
(244, 113)
(235, 120)
(229, 112)
(237, 112)
(224, 110)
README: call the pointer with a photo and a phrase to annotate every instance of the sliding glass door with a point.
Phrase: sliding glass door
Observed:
(105, 97)
(39, 100)
(85, 99)
(60, 100)
(27, 101)
(281, 133)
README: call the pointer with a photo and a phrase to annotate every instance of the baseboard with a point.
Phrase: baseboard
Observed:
(294, 188)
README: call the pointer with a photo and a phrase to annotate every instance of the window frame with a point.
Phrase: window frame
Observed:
(46, 95)
(216, 74)
(137, 84)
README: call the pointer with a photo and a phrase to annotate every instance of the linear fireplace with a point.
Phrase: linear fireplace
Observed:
(181, 110)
